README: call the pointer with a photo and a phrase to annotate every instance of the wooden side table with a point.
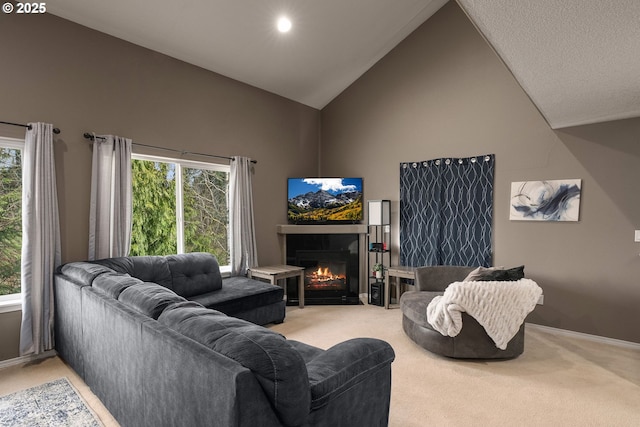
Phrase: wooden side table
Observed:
(273, 273)
(397, 272)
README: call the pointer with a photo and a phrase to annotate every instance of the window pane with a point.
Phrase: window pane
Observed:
(206, 214)
(10, 220)
(154, 208)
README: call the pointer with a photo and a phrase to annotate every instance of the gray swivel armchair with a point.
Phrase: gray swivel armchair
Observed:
(472, 342)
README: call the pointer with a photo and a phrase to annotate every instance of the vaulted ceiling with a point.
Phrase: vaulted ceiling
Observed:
(578, 60)
(331, 42)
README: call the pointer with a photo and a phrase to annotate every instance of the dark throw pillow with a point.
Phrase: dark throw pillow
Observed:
(507, 275)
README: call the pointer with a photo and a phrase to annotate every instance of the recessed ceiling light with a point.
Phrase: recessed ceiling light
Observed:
(284, 24)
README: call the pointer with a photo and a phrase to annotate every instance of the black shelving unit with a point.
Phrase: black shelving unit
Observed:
(378, 247)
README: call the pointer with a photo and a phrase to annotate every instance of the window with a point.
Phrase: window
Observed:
(180, 206)
(10, 218)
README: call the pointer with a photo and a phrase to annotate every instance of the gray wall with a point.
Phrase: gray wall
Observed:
(9, 334)
(444, 93)
(81, 80)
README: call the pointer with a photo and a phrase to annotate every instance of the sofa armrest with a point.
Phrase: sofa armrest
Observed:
(344, 365)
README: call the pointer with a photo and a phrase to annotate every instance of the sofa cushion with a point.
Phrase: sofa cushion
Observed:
(172, 315)
(308, 352)
(239, 294)
(84, 272)
(146, 268)
(112, 284)
(149, 298)
(194, 273)
(122, 265)
(279, 368)
(414, 306)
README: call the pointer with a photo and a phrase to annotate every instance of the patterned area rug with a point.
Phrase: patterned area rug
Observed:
(56, 403)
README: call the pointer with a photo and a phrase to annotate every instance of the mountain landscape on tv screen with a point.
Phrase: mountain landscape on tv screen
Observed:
(327, 206)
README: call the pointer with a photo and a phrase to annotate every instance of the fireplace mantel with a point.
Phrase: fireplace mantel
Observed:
(322, 229)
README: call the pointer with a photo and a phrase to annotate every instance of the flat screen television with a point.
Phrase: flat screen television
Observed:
(324, 200)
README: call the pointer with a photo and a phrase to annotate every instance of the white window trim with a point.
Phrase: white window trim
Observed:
(180, 163)
(11, 302)
(12, 142)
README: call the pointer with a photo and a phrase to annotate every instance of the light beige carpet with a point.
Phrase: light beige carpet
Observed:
(558, 381)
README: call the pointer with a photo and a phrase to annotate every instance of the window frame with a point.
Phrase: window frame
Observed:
(11, 302)
(182, 163)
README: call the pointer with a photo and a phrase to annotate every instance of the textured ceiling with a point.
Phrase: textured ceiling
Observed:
(578, 60)
(332, 42)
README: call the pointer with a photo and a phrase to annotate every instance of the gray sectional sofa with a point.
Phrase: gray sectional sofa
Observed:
(157, 358)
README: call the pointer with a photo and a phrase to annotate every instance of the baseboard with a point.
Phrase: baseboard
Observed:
(26, 359)
(589, 337)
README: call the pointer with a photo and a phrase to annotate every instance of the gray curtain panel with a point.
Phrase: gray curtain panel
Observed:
(446, 211)
(41, 252)
(243, 248)
(111, 209)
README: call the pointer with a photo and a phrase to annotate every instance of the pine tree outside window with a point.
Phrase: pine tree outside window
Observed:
(179, 207)
(10, 220)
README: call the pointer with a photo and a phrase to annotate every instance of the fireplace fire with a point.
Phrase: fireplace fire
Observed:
(324, 278)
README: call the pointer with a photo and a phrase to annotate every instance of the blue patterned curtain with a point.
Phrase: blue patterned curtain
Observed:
(446, 211)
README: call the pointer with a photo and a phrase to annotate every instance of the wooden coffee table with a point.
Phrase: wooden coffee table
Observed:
(273, 273)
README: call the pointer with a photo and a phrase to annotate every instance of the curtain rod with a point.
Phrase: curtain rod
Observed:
(92, 138)
(55, 130)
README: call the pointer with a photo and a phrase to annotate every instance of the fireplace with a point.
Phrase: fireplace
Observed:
(331, 263)
(324, 270)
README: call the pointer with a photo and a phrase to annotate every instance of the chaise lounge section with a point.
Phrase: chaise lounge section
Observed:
(196, 277)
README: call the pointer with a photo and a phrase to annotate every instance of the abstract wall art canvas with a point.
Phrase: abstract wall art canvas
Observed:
(556, 200)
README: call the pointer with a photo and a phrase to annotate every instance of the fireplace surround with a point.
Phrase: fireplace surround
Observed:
(332, 256)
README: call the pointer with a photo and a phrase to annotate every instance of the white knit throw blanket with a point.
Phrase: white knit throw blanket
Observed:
(500, 307)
